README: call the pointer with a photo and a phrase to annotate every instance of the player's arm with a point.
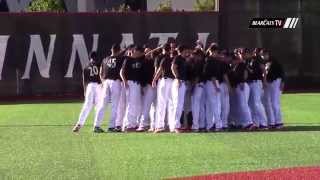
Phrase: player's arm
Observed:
(101, 73)
(282, 76)
(245, 74)
(84, 83)
(216, 83)
(245, 77)
(264, 74)
(156, 76)
(175, 72)
(153, 50)
(122, 74)
(226, 79)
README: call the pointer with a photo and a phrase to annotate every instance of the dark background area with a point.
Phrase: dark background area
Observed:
(109, 26)
(297, 49)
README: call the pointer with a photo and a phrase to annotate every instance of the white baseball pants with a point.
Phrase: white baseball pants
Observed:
(149, 95)
(196, 100)
(176, 108)
(164, 99)
(272, 102)
(242, 94)
(233, 114)
(121, 106)
(213, 105)
(133, 108)
(91, 99)
(110, 91)
(225, 104)
(255, 103)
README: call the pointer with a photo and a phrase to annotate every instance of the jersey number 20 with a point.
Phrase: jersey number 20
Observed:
(94, 71)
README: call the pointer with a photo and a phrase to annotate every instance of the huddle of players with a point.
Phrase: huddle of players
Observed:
(179, 89)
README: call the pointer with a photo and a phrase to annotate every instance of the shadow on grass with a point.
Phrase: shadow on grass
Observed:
(288, 128)
(41, 102)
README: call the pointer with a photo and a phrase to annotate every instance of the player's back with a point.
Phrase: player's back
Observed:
(91, 73)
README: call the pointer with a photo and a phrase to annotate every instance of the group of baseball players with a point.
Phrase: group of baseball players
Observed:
(181, 89)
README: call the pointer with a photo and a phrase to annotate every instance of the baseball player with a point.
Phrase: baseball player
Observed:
(242, 91)
(273, 88)
(178, 90)
(123, 98)
(148, 93)
(111, 88)
(256, 69)
(212, 89)
(233, 120)
(197, 93)
(91, 85)
(131, 74)
(163, 79)
(186, 119)
(225, 86)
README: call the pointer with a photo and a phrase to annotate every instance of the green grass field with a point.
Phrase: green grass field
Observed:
(36, 142)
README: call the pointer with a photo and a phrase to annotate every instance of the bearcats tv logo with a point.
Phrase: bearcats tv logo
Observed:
(282, 23)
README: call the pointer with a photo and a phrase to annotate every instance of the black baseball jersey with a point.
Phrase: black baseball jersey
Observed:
(91, 73)
(134, 69)
(210, 69)
(165, 64)
(255, 70)
(275, 71)
(232, 75)
(198, 66)
(223, 70)
(237, 73)
(148, 71)
(157, 61)
(240, 70)
(110, 67)
(190, 73)
(180, 63)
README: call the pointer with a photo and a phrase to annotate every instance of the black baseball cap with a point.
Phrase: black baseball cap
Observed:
(116, 47)
(93, 55)
(138, 48)
(166, 47)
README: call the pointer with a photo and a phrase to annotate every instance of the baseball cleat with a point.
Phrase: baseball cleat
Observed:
(111, 130)
(159, 130)
(76, 128)
(225, 128)
(203, 130)
(279, 126)
(130, 130)
(117, 129)
(98, 130)
(250, 127)
(263, 128)
(151, 130)
(212, 129)
(195, 130)
(271, 127)
(179, 130)
(141, 129)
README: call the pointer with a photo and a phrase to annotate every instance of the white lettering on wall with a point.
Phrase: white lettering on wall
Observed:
(127, 40)
(203, 37)
(163, 37)
(79, 48)
(3, 49)
(43, 62)
(17, 5)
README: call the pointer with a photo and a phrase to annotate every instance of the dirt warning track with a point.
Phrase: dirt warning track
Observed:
(297, 173)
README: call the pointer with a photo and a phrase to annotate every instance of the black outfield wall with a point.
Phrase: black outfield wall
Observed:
(44, 53)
